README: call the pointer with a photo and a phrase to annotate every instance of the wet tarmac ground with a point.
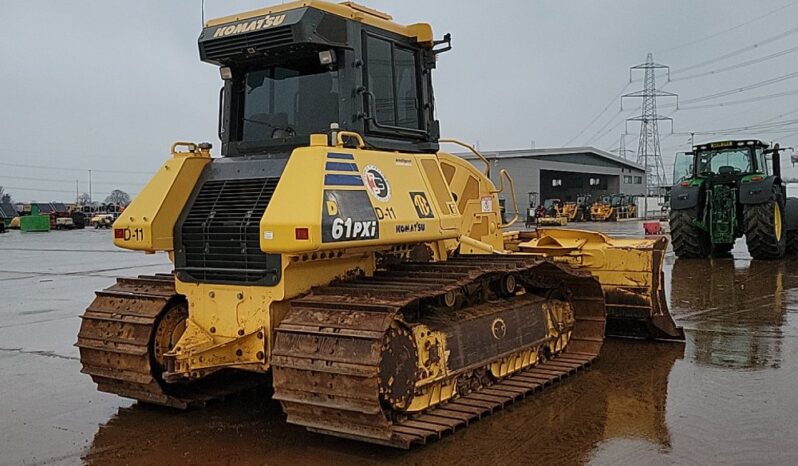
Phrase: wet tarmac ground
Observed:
(727, 396)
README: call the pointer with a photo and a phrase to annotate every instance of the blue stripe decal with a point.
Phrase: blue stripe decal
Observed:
(334, 155)
(341, 166)
(343, 180)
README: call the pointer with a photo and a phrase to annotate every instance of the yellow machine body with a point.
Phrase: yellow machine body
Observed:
(148, 223)
(630, 271)
(569, 210)
(601, 211)
(347, 216)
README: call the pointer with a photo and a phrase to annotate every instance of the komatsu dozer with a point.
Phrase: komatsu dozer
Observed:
(336, 247)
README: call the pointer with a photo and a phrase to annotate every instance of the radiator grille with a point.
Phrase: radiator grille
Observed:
(245, 44)
(221, 233)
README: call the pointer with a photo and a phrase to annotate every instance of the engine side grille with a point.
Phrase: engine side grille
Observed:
(244, 44)
(220, 236)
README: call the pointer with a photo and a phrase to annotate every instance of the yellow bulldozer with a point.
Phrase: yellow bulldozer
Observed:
(336, 247)
(613, 207)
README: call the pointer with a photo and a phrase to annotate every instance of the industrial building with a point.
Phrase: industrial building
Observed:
(563, 173)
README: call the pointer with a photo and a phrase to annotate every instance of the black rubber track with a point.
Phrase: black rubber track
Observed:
(689, 241)
(760, 232)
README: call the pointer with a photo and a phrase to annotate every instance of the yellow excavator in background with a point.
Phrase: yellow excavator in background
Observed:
(336, 246)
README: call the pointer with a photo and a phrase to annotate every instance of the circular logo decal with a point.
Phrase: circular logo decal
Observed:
(377, 183)
(499, 329)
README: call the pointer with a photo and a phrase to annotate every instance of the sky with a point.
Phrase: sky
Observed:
(108, 85)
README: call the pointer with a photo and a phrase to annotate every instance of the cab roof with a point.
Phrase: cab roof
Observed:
(422, 32)
(730, 143)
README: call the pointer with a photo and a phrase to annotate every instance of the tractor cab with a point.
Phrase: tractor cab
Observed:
(724, 162)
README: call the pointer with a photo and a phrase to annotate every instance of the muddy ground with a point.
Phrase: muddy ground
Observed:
(727, 396)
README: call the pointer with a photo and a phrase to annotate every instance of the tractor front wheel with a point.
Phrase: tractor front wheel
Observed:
(764, 230)
(689, 241)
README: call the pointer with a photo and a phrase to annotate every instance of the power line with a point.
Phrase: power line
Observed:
(609, 104)
(748, 87)
(601, 133)
(67, 191)
(753, 127)
(738, 65)
(738, 26)
(741, 101)
(738, 51)
(51, 167)
(54, 180)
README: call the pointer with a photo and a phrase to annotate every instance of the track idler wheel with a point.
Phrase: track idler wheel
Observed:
(168, 330)
(398, 367)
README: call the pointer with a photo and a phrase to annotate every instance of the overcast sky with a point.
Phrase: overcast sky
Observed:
(108, 85)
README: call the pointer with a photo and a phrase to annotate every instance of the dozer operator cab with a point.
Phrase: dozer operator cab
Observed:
(728, 189)
(290, 74)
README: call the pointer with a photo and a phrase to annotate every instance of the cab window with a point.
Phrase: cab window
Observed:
(763, 164)
(392, 80)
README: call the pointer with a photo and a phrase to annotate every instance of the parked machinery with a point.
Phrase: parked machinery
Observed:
(613, 207)
(726, 190)
(624, 206)
(578, 211)
(100, 221)
(552, 213)
(602, 210)
(336, 246)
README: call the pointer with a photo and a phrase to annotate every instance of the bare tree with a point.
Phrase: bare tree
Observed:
(118, 197)
(4, 196)
(84, 199)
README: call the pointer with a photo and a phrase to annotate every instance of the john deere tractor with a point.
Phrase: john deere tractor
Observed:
(728, 189)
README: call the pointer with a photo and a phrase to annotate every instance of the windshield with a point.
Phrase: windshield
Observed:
(724, 161)
(289, 100)
(682, 167)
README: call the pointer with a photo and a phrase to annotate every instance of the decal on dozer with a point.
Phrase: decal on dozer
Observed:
(348, 216)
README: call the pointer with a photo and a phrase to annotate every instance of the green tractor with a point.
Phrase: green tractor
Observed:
(728, 189)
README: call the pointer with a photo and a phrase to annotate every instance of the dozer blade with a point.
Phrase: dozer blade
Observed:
(630, 273)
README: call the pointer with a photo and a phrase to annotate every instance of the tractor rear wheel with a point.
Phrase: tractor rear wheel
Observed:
(792, 241)
(764, 230)
(689, 241)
